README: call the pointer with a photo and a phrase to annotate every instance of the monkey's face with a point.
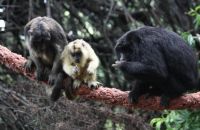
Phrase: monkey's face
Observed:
(77, 51)
(39, 33)
(76, 56)
(126, 46)
(123, 50)
(39, 37)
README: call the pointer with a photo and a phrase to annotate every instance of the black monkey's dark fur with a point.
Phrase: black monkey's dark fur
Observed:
(159, 61)
(45, 39)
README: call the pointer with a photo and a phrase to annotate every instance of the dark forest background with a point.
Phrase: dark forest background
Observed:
(101, 23)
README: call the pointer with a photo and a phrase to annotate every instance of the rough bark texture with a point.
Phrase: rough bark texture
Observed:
(110, 96)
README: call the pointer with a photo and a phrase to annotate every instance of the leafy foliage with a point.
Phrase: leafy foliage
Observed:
(177, 120)
(196, 14)
(189, 38)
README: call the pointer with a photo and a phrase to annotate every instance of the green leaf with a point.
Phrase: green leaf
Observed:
(158, 124)
(197, 8)
(155, 120)
(197, 21)
(192, 12)
(190, 40)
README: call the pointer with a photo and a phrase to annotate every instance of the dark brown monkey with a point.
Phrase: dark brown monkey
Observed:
(45, 40)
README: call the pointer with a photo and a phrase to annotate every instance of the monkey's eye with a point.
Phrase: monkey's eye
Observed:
(72, 54)
(76, 54)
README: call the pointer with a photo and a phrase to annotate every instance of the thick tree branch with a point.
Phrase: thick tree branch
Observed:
(111, 96)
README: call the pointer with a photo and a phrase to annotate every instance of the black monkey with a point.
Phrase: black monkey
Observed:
(159, 61)
(45, 40)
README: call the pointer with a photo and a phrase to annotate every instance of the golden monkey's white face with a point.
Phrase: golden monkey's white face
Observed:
(77, 51)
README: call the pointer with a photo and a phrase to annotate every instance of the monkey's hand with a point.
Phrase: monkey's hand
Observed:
(94, 84)
(133, 97)
(118, 64)
(76, 84)
(52, 78)
(91, 70)
(29, 65)
(75, 70)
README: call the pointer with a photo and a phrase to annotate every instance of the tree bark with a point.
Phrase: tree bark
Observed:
(110, 96)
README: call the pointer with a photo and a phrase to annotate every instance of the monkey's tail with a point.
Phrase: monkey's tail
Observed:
(68, 88)
(63, 82)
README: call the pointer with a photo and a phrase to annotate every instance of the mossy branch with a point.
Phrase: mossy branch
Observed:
(112, 96)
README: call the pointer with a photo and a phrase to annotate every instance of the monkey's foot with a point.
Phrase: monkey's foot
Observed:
(148, 95)
(91, 70)
(29, 65)
(52, 79)
(70, 94)
(133, 98)
(56, 94)
(164, 101)
(94, 84)
(76, 84)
